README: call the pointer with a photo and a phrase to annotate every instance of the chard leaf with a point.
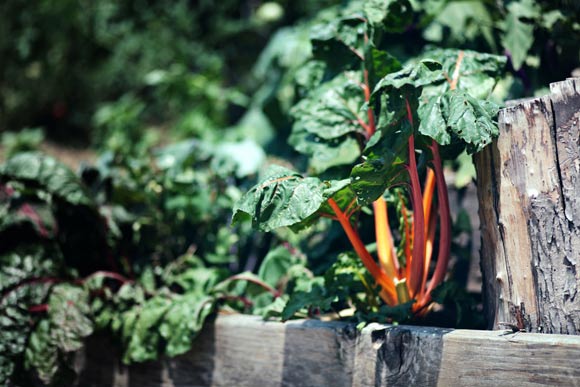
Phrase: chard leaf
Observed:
(139, 329)
(49, 174)
(69, 309)
(326, 121)
(379, 64)
(275, 265)
(183, 321)
(41, 353)
(332, 109)
(392, 15)
(518, 35)
(416, 75)
(281, 198)
(385, 156)
(457, 115)
(339, 42)
(478, 72)
(316, 297)
(325, 154)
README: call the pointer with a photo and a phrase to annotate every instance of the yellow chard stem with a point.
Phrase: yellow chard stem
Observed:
(385, 247)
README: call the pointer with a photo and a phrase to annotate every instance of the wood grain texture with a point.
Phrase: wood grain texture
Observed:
(246, 351)
(528, 187)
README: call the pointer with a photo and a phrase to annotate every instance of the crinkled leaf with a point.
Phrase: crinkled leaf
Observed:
(325, 154)
(457, 115)
(183, 321)
(49, 174)
(393, 15)
(69, 309)
(281, 198)
(316, 297)
(478, 72)
(384, 158)
(275, 265)
(379, 64)
(340, 41)
(332, 109)
(138, 330)
(518, 35)
(397, 90)
(41, 353)
(415, 75)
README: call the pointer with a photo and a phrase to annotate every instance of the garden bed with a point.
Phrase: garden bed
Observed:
(238, 350)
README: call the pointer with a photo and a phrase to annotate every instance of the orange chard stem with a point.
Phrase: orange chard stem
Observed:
(430, 218)
(445, 225)
(388, 294)
(385, 246)
(428, 251)
(428, 195)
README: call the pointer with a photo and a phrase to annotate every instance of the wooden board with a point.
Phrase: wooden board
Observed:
(246, 351)
(529, 197)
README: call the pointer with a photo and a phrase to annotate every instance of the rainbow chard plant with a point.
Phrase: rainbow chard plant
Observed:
(372, 128)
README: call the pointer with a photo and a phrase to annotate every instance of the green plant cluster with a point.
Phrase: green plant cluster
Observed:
(140, 245)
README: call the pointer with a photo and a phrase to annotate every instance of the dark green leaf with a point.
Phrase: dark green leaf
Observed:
(385, 157)
(68, 312)
(281, 198)
(49, 174)
(379, 64)
(339, 42)
(333, 109)
(478, 72)
(457, 115)
(183, 321)
(41, 353)
(394, 15)
(325, 154)
(316, 297)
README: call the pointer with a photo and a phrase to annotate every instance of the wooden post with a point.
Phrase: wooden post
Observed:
(529, 197)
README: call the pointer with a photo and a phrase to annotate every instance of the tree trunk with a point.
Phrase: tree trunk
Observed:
(529, 197)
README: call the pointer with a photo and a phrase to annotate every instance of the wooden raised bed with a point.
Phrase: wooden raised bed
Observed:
(246, 351)
(529, 194)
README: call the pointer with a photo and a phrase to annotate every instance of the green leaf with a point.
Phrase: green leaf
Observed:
(385, 156)
(415, 75)
(68, 311)
(49, 174)
(183, 321)
(393, 15)
(41, 354)
(275, 265)
(518, 36)
(331, 110)
(325, 154)
(339, 42)
(139, 330)
(379, 64)
(281, 198)
(455, 115)
(478, 72)
(315, 297)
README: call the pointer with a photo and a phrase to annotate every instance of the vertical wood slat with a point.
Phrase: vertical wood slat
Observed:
(529, 196)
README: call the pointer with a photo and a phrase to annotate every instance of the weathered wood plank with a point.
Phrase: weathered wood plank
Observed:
(529, 186)
(245, 351)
